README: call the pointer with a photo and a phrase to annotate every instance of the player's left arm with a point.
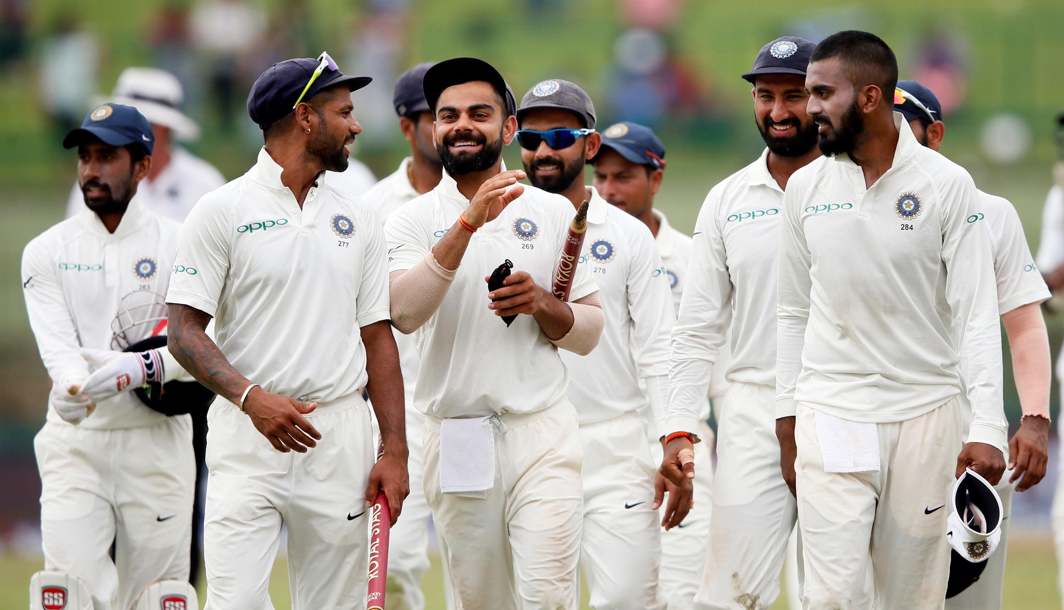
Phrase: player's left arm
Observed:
(1029, 344)
(385, 385)
(971, 292)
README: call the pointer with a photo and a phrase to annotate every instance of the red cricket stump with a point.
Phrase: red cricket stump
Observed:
(380, 520)
(574, 241)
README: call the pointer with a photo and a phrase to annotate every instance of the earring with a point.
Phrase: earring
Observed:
(307, 131)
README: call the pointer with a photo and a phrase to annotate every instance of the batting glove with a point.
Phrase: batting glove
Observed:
(70, 404)
(117, 372)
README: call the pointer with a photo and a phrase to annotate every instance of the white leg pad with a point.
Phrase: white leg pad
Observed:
(50, 590)
(168, 595)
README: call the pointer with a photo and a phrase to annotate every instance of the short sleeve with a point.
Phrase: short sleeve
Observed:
(406, 239)
(202, 261)
(372, 300)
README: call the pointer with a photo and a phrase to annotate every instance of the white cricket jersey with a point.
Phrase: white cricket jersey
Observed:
(173, 192)
(874, 286)
(289, 288)
(1051, 244)
(620, 253)
(731, 291)
(384, 198)
(353, 182)
(1018, 279)
(472, 364)
(76, 277)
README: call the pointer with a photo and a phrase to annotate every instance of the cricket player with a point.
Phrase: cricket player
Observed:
(883, 283)
(620, 389)
(113, 471)
(502, 444)
(416, 175)
(177, 178)
(628, 170)
(293, 273)
(731, 282)
(1020, 293)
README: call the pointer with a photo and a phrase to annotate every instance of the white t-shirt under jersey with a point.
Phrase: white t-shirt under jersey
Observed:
(76, 277)
(621, 255)
(880, 290)
(472, 364)
(730, 292)
(289, 287)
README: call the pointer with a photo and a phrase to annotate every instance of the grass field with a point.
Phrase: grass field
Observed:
(1030, 580)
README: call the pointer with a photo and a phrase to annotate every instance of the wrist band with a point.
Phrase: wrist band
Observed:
(247, 391)
(466, 225)
(676, 435)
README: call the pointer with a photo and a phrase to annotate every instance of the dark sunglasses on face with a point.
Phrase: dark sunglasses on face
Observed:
(556, 139)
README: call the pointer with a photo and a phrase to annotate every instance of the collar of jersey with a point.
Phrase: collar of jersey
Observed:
(130, 220)
(664, 237)
(407, 190)
(759, 174)
(903, 152)
(597, 209)
(268, 173)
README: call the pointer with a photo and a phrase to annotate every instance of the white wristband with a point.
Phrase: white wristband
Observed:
(247, 391)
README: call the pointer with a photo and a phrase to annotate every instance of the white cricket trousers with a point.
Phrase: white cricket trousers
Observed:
(684, 547)
(130, 486)
(753, 512)
(517, 544)
(621, 545)
(894, 518)
(319, 496)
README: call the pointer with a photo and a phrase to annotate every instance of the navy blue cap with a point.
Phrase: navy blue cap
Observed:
(636, 143)
(409, 95)
(115, 125)
(465, 70)
(784, 55)
(915, 101)
(275, 91)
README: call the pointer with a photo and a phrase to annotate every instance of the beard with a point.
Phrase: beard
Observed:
(115, 200)
(333, 158)
(555, 183)
(793, 146)
(462, 163)
(842, 138)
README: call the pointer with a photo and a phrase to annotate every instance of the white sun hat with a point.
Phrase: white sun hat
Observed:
(158, 95)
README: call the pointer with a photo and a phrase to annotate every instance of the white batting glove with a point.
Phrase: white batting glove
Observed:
(70, 404)
(120, 372)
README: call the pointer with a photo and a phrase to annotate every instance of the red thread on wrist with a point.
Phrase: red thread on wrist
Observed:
(466, 225)
(676, 435)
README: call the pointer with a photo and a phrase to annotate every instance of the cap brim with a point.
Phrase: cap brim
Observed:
(750, 76)
(353, 83)
(108, 136)
(627, 152)
(160, 114)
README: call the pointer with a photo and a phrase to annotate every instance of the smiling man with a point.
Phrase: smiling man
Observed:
(883, 284)
(502, 448)
(293, 272)
(731, 285)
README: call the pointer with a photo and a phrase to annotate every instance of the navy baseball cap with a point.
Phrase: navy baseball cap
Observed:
(561, 95)
(274, 93)
(409, 95)
(465, 70)
(636, 143)
(784, 55)
(115, 125)
(915, 101)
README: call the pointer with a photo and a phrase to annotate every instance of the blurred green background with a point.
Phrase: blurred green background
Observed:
(672, 63)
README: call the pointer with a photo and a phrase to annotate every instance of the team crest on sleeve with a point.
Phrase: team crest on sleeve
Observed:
(145, 268)
(602, 251)
(342, 226)
(783, 49)
(525, 229)
(908, 206)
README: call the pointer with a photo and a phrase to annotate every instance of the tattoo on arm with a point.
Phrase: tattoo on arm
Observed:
(200, 356)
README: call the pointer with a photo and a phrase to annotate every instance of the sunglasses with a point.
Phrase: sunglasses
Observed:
(556, 139)
(901, 96)
(324, 61)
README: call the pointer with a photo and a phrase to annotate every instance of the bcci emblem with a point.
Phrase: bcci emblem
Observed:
(342, 226)
(101, 113)
(617, 130)
(145, 268)
(782, 49)
(908, 206)
(602, 251)
(978, 550)
(525, 229)
(545, 88)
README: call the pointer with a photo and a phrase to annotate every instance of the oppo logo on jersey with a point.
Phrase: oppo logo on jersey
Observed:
(826, 208)
(80, 267)
(752, 215)
(187, 270)
(262, 225)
